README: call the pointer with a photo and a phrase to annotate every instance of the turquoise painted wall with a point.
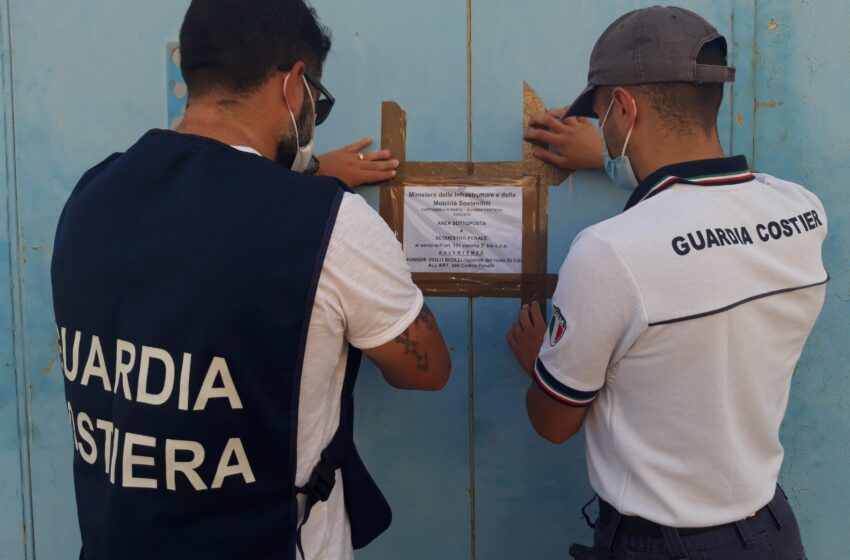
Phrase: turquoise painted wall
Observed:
(463, 469)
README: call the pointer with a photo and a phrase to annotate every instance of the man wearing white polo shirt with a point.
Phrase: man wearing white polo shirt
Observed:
(677, 325)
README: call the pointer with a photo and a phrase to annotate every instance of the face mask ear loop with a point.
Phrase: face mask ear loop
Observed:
(608, 112)
(291, 114)
(629, 135)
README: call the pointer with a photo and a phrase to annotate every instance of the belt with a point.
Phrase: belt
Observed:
(611, 523)
(640, 527)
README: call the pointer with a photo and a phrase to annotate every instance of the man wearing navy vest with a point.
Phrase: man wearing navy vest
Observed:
(677, 325)
(212, 305)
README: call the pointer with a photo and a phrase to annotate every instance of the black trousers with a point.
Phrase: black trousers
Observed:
(773, 534)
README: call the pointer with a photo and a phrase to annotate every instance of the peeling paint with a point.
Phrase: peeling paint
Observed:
(739, 117)
(772, 25)
(767, 104)
(47, 249)
(49, 366)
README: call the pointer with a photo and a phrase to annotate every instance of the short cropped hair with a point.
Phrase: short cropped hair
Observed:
(684, 106)
(235, 46)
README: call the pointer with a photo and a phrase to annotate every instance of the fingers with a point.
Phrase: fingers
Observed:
(536, 314)
(548, 121)
(377, 156)
(525, 318)
(552, 157)
(540, 135)
(357, 146)
(559, 113)
(387, 165)
(517, 331)
(573, 121)
(371, 169)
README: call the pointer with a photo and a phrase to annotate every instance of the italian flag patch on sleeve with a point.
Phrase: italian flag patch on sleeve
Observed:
(557, 326)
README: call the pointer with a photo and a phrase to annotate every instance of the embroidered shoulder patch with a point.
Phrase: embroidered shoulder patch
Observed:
(557, 326)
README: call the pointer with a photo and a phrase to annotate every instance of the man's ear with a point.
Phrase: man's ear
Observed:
(625, 106)
(292, 85)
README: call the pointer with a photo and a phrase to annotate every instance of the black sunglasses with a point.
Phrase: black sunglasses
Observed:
(325, 102)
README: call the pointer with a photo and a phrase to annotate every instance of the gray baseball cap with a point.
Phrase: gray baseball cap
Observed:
(652, 45)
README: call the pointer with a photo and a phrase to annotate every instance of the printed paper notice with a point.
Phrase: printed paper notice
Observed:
(463, 229)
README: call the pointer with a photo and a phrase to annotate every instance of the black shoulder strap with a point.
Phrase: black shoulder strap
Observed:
(368, 510)
(323, 478)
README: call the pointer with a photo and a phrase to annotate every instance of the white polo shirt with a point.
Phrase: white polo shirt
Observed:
(365, 298)
(680, 323)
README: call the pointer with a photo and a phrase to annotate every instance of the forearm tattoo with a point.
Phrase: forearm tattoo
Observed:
(408, 338)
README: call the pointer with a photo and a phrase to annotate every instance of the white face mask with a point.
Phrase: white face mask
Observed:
(619, 169)
(304, 154)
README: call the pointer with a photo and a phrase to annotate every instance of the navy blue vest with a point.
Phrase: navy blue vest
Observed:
(184, 274)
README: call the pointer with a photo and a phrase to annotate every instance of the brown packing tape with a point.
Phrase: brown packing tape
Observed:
(533, 175)
(549, 175)
(393, 138)
(538, 286)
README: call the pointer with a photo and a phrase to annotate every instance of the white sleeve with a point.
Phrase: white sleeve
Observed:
(366, 279)
(597, 315)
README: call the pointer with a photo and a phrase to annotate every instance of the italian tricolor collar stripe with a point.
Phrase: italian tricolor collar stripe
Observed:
(715, 179)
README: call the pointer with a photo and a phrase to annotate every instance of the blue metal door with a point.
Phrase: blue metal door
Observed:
(465, 473)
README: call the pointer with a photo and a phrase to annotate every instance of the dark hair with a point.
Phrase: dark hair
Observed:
(682, 106)
(236, 45)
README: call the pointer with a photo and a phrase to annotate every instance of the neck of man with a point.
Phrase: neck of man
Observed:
(231, 122)
(668, 149)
